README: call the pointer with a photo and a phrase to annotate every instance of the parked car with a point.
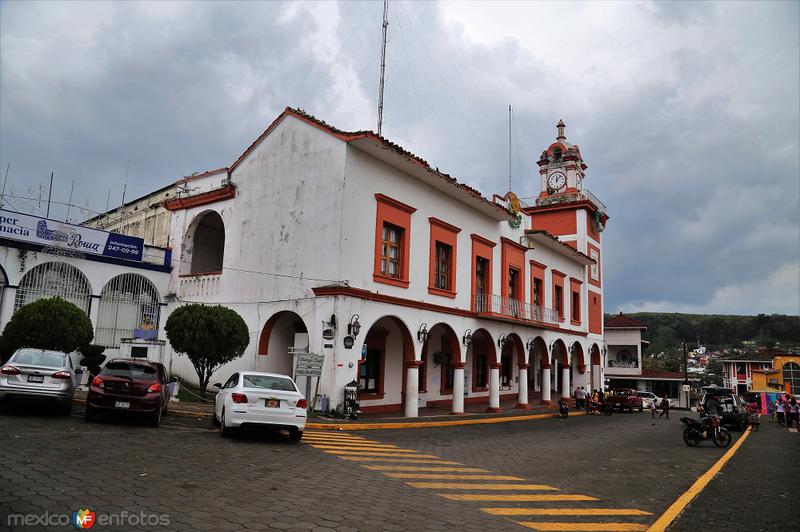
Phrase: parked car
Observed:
(734, 412)
(624, 399)
(36, 374)
(260, 399)
(129, 385)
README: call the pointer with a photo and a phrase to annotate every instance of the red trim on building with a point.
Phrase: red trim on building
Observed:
(595, 312)
(389, 210)
(447, 234)
(481, 240)
(212, 196)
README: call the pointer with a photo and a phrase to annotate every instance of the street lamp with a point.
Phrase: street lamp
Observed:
(422, 333)
(354, 326)
(467, 337)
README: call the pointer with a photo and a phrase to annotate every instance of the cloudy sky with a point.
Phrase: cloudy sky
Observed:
(687, 114)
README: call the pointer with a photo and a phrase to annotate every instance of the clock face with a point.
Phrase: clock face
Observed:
(556, 181)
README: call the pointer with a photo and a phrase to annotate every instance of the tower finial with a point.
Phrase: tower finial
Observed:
(560, 126)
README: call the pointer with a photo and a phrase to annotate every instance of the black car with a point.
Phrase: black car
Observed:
(732, 413)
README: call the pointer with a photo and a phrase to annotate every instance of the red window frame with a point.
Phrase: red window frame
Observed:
(482, 248)
(558, 293)
(396, 213)
(445, 234)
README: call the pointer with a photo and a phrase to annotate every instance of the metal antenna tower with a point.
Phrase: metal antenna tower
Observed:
(509, 147)
(383, 64)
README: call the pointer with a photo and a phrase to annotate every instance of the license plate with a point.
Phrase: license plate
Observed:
(35, 378)
(273, 403)
(122, 404)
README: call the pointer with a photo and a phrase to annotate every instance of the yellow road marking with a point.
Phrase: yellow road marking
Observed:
(481, 486)
(428, 424)
(422, 468)
(677, 507)
(353, 440)
(342, 442)
(593, 527)
(376, 453)
(564, 511)
(406, 460)
(361, 448)
(516, 498)
(446, 476)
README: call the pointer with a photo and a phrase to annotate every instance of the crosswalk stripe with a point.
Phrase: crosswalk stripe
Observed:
(406, 460)
(423, 468)
(514, 497)
(480, 486)
(564, 511)
(584, 527)
(447, 476)
(362, 448)
(376, 453)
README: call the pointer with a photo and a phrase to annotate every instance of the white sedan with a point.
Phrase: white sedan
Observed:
(260, 399)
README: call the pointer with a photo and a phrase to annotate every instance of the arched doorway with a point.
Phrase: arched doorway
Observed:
(54, 279)
(381, 374)
(514, 369)
(441, 355)
(481, 356)
(596, 382)
(204, 245)
(560, 368)
(128, 302)
(579, 375)
(539, 365)
(284, 335)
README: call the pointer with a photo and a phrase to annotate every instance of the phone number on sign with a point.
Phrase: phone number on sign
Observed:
(122, 249)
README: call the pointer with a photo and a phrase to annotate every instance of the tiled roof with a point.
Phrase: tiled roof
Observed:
(759, 356)
(350, 136)
(621, 321)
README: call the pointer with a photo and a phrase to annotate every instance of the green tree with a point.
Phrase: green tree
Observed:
(48, 324)
(209, 336)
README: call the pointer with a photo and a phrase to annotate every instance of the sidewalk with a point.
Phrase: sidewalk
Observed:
(428, 417)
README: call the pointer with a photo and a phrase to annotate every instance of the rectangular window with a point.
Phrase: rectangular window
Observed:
(481, 373)
(481, 273)
(391, 250)
(442, 274)
(370, 372)
(513, 293)
(576, 306)
(559, 301)
(538, 296)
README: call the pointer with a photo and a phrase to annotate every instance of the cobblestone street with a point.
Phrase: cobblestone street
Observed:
(619, 472)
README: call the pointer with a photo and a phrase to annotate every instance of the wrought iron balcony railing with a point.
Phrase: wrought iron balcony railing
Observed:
(512, 308)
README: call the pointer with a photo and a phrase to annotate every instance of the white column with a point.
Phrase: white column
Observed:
(412, 389)
(596, 384)
(546, 398)
(522, 402)
(494, 388)
(565, 387)
(458, 388)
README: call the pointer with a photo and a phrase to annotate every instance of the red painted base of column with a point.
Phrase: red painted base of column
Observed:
(543, 402)
(456, 413)
(493, 410)
(522, 406)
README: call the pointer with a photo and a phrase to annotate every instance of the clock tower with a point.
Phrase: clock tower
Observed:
(561, 166)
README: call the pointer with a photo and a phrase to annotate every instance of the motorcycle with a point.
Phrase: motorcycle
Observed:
(563, 409)
(595, 409)
(708, 428)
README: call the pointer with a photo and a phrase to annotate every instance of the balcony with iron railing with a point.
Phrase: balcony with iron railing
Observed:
(572, 197)
(504, 308)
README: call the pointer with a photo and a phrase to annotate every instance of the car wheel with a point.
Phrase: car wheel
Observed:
(295, 434)
(223, 427)
(90, 413)
(155, 420)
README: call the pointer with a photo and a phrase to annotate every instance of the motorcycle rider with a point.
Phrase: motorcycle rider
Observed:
(712, 409)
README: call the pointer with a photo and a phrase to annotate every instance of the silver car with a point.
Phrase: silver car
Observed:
(38, 374)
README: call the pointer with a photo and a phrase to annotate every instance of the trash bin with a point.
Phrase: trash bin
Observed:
(351, 408)
(173, 387)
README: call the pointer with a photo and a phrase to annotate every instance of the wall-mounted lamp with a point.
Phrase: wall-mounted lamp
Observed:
(501, 341)
(422, 333)
(467, 339)
(572, 348)
(354, 326)
(530, 344)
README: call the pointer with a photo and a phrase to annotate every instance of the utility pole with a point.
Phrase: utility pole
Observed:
(49, 195)
(509, 147)
(69, 205)
(383, 65)
(686, 373)
(3, 193)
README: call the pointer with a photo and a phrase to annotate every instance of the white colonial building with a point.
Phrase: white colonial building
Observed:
(407, 281)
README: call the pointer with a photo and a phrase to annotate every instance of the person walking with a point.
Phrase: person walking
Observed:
(664, 407)
(794, 413)
(754, 414)
(653, 407)
(779, 408)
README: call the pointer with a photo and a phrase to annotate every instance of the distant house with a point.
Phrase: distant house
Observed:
(623, 362)
(762, 371)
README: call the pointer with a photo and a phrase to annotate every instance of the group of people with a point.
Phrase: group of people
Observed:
(787, 411)
(655, 404)
(585, 399)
